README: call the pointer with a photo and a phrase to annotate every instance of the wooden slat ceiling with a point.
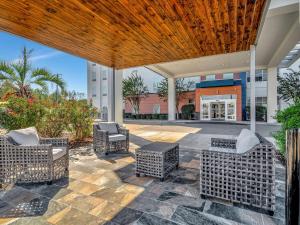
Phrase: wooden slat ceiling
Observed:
(126, 33)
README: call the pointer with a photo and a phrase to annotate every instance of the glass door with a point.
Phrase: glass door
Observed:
(231, 111)
(205, 111)
(217, 110)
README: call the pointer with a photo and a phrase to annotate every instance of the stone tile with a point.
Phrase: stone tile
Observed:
(7, 220)
(30, 221)
(120, 196)
(147, 219)
(83, 187)
(127, 216)
(154, 207)
(139, 181)
(106, 210)
(177, 199)
(280, 173)
(9, 211)
(18, 195)
(268, 220)
(279, 208)
(232, 213)
(192, 216)
(81, 202)
(71, 216)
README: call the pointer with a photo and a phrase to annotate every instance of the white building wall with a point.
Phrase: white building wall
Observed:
(97, 86)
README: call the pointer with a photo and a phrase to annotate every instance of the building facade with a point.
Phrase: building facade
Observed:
(99, 78)
(215, 96)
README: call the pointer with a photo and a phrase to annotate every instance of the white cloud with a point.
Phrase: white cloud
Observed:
(42, 56)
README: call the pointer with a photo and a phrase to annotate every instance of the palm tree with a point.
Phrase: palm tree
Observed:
(21, 75)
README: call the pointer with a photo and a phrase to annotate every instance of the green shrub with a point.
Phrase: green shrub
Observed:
(21, 113)
(54, 122)
(80, 118)
(187, 111)
(163, 116)
(289, 119)
(148, 116)
(155, 116)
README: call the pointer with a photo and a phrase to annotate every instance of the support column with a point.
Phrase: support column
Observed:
(252, 90)
(171, 99)
(114, 96)
(272, 94)
(118, 97)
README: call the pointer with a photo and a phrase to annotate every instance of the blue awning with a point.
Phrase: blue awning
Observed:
(218, 83)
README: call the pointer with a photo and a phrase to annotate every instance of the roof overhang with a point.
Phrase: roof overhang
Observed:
(279, 34)
(124, 34)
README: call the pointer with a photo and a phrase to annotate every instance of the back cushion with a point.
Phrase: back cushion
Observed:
(246, 141)
(26, 137)
(111, 127)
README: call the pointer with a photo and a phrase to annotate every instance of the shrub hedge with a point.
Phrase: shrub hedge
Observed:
(289, 119)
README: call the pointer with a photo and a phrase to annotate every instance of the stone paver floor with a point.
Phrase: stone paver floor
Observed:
(105, 190)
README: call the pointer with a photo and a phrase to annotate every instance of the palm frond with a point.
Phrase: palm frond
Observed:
(7, 72)
(44, 75)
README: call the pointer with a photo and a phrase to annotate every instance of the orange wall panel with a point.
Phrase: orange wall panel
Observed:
(227, 90)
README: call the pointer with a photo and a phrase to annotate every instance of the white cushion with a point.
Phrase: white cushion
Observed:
(26, 137)
(218, 149)
(59, 152)
(116, 137)
(111, 127)
(246, 141)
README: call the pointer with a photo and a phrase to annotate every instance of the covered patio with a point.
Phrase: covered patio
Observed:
(175, 39)
(105, 190)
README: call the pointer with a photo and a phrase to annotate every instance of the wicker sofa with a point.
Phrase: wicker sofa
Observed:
(247, 178)
(110, 137)
(44, 162)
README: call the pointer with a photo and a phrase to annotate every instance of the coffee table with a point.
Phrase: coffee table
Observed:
(157, 159)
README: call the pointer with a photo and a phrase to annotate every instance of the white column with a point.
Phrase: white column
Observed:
(171, 99)
(252, 90)
(110, 96)
(118, 97)
(115, 98)
(272, 94)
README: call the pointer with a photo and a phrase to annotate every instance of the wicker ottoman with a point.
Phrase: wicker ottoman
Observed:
(157, 159)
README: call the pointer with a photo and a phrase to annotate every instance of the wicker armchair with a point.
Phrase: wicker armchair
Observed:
(247, 178)
(29, 164)
(105, 141)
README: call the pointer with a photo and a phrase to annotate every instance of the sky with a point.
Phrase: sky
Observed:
(72, 68)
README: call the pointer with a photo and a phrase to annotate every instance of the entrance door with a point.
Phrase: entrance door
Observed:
(217, 110)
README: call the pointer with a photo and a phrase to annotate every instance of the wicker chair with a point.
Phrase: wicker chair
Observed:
(247, 178)
(110, 137)
(30, 164)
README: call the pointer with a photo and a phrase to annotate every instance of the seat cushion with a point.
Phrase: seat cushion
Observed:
(25, 137)
(111, 127)
(116, 137)
(59, 152)
(246, 141)
(218, 149)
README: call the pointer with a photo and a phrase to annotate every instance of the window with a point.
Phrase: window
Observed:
(227, 76)
(211, 77)
(94, 76)
(94, 91)
(262, 101)
(156, 109)
(260, 75)
(104, 75)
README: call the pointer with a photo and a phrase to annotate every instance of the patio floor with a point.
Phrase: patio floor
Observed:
(105, 190)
